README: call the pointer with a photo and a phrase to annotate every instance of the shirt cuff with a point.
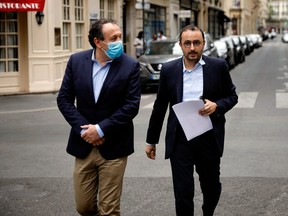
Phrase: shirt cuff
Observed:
(152, 145)
(100, 132)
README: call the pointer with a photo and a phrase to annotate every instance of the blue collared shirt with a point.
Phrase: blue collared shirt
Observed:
(193, 81)
(99, 74)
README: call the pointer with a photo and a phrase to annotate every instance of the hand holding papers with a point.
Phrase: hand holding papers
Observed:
(191, 121)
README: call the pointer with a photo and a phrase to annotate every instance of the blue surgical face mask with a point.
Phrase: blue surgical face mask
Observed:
(115, 49)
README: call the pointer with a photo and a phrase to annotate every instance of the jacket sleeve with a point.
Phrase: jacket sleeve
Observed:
(66, 99)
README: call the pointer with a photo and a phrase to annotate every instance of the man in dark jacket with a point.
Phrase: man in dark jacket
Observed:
(192, 77)
(106, 85)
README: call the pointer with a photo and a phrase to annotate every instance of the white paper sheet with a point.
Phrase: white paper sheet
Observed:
(191, 121)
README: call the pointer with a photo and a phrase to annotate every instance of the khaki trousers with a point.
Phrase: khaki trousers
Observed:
(98, 184)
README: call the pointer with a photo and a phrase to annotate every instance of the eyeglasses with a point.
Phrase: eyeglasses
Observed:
(196, 43)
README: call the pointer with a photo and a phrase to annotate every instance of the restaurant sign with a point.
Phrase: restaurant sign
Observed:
(21, 5)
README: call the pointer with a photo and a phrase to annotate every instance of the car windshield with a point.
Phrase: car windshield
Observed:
(230, 42)
(236, 40)
(164, 48)
(220, 44)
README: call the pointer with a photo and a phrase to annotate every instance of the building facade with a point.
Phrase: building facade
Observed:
(278, 15)
(34, 52)
(247, 16)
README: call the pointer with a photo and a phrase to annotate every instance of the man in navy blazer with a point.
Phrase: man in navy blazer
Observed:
(194, 76)
(99, 97)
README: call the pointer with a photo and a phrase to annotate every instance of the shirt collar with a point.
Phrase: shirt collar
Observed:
(95, 60)
(200, 62)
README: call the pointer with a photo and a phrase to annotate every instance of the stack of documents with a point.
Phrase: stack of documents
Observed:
(192, 122)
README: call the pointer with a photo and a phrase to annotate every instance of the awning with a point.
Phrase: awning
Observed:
(21, 5)
(225, 18)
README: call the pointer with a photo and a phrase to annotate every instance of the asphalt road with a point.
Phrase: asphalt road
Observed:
(35, 174)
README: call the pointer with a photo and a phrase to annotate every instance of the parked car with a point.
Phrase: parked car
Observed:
(209, 48)
(232, 45)
(221, 48)
(230, 51)
(163, 51)
(272, 34)
(285, 37)
(250, 43)
(246, 44)
(157, 54)
(256, 39)
(240, 48)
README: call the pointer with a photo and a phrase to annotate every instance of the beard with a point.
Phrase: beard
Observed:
(193, 56)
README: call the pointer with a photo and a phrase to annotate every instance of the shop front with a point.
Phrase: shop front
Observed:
(14, 43)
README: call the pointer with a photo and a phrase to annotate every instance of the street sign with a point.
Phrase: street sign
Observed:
(184, 14)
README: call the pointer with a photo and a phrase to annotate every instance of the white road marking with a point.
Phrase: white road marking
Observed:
(246, 99)
(281, 99)
(29, 111)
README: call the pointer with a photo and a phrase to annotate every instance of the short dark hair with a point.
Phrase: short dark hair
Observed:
(96, 30)
(191, 28)
(140, 35)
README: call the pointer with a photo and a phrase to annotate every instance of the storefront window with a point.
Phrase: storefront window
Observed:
(154, 21)
(8, 42)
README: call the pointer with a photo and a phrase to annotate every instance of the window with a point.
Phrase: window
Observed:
(79, 23)
(66, 30)
(66, 24)
(111, 9)
(66, 10)
(79, 10)
(79, 35)
(154, 21)
(108, 7)
(9, 42)
(102, 14)
(236, 3)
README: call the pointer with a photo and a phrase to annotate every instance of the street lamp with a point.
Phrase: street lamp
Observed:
(39, 17)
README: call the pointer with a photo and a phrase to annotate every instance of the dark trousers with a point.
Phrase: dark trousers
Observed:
(203, 153)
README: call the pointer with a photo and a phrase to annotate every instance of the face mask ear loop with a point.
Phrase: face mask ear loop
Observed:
(105, 51)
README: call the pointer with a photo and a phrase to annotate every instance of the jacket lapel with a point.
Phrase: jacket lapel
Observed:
(88, 66)
(110, 76)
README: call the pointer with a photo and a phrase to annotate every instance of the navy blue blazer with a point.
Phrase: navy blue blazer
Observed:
(217, 87)
(117, 105)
